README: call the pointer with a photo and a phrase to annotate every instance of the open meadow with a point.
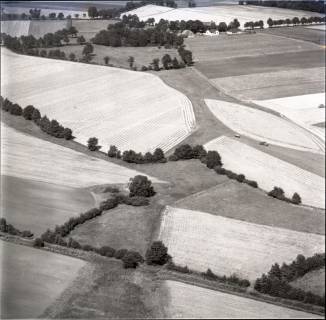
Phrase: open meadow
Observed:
(161, 118)
(217, 14)
(201, 240)
(270, 171)
(32, 279)
(188, 301)
(239, 201)
(27, 157)
(36, 206)
(261, 126)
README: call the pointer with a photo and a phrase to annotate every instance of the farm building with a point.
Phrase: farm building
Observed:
(211, 34)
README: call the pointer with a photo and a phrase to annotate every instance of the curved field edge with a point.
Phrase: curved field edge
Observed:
(261, 126)
(147, 112)
(270, 171)
(227, 246)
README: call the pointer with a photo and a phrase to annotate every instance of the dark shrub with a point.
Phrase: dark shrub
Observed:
(92, 144)
(158, 155)
(157, 253)
(277, 193)
(87, 247)
(109, 204)
(220, 170)
(16, 110)
(73, 244)
(27, 112)
(36, 115)
(199, 151)
(141, 186)
(171, 266)
(209, 274)
(119, 254)
(67, 134)
(106, 251)
(3, 225)
(213, 159)
(231, 175)
(296, 199)
(26, 234)
(184, 152)
(241, 178)
(173, 157)
(131, 259)
(38, 242)
(112, 153)
(136, 201)
(251, 183)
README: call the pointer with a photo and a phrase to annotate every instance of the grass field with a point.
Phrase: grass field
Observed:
(273, 84)
(313, 281)
(269, 171)
(239, 201)
(217, 13)
(161, 118)
(303, 110)
(88, 28)
(226, 246)
(32, 279)
(119, 56)
(108, 291)
(188, 301)
(260, 125)
(37, 206)
(27, 157)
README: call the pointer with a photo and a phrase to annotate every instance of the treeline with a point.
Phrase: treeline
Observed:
(278, 193)
(34, 14)
(51, 127)
(10, 229)
(131, 156)
(254, 24)
(209, 275)
(277, 282)
(167, 62)
(314, 6)
(130, 32)
(295, 21)
(24, 43)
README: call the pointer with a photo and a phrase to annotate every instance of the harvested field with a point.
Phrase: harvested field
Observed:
(143, 120)
(240, 201)
(26, 157)
(300, 33)
(37, 28)
(217, 13)
(269, 171)
(37, 206)
(245, 45)
(189, 301)
(260, 125)
(320, 27)
(303, 110)
(313, 281)
(32, 279)
(119, 56)
(273, 85)
(226, 246)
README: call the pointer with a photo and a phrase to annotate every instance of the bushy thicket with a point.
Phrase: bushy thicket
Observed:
(278, 193)
(141, 186)
(186, 152)
(277, 282)
(53, 127)
(233, 279)
(254, 24)
(131, 156)
(172, 266)
(10, 229)
(306, 5)
(157, 254)
(234, 176)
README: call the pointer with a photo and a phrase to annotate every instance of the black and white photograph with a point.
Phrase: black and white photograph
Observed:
(162, 159)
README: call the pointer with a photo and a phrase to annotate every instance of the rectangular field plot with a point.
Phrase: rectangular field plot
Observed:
(188, 301)
(226, 246)
(27, 157)
(132, 110)
(275, 84)
(37, 206)
(269, 171)
(32, 279)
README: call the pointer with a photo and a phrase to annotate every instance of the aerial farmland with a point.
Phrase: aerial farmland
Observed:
(162, 159)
